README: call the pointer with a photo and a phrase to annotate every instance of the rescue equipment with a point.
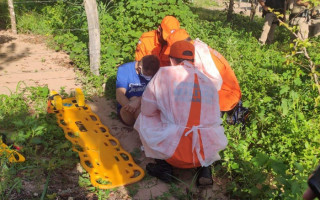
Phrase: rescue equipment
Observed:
(101, 154)
(12, 155)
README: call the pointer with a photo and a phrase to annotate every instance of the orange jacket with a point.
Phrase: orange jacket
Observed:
(230, 93)
(149, 45)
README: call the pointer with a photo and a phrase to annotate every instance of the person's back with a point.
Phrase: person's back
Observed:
(216, 67)
(180, 117)
(148, 45)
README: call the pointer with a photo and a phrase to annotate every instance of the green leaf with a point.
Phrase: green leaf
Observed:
(267, 99)
(260, 160)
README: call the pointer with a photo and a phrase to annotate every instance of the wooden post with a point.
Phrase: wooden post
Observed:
(94, 34)
(12, 17)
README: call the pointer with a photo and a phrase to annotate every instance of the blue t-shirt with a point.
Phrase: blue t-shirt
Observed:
(128, 78)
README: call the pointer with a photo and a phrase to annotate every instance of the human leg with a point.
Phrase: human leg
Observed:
(303, 31)
(270, 38)
(266, 28)
(315, 24)
(126, 117)
(129, 118)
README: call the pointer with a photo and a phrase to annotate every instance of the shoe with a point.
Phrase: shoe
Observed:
(161, 170)
(205, 177)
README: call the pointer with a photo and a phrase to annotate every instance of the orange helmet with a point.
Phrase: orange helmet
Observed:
(178, 35)
(169, 25)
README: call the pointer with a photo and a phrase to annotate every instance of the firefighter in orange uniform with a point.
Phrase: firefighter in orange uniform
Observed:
(216, 67)
(154, 42)
(179, 124)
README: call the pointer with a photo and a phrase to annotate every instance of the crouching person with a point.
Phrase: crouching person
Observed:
(179, 124)
(132, 79)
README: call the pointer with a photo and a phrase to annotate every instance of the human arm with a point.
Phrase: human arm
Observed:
(263, 5)
(302, 3)
(140, 50)
(122, 86)
(308, 194)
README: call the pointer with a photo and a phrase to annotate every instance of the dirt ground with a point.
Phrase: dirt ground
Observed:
(27, 58)
(243, 8)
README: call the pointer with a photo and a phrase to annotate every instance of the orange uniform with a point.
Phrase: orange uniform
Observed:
(149, 43)
(229, 93)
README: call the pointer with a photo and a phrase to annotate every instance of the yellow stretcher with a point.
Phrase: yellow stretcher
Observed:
(108, 164)
(12, 155)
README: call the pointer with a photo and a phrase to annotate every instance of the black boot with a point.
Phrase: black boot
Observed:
(161, 170)
(205, 176)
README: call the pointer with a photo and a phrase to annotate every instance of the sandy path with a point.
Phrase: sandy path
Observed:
(27, 58)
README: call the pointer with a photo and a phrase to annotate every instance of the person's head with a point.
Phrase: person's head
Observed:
(148, 66)
(181, 51)
(168, 25)
(178, 35)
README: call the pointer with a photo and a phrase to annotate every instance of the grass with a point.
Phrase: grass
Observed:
(206, 3)
(42, 142)
(4, 15)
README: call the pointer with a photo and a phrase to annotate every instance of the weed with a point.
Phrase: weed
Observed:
(113, 115)
(136, 154)
(133, 189)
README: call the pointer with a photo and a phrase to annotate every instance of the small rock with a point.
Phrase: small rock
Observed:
(35, 194)
(70, 198)
(79, 168)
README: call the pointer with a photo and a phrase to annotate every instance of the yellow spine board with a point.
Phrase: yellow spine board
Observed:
(12, 155)
(101, 154)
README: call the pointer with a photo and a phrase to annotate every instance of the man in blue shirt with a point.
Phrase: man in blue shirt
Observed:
(132, 79)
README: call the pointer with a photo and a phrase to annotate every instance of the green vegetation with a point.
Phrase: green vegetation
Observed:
(206, 3)
(41, 141)
(4, 14)
(270, 159)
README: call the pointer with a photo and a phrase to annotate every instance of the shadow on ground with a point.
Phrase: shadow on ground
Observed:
(7, 54)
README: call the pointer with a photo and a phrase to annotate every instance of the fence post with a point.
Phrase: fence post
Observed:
(94, 34)
(12, 17)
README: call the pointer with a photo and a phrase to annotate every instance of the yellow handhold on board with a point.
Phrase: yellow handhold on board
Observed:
(101, 154)
(79, 97)
(13, 155)
(57, 100)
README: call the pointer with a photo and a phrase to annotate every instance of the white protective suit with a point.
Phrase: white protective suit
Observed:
(165, 108)
(203, 61)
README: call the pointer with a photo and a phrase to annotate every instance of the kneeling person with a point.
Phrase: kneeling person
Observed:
(180, 123)
(132, 79)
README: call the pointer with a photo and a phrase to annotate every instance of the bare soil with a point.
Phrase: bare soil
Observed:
(27, 58)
